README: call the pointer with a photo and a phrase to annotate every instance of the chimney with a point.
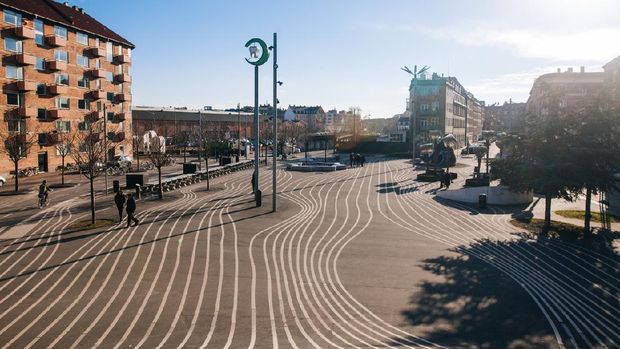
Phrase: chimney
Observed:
(66, 3)
(582, 69)
(570, 70)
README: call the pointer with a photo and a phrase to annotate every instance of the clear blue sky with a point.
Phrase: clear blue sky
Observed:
(348, 53)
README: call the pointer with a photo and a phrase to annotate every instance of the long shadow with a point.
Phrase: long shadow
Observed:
(50, 267)
(473, 209)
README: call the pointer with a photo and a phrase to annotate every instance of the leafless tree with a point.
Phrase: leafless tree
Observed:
(16, 142)
(64, 147)
(159, 157)
(90, 156)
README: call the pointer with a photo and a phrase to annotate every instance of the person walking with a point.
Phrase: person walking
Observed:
(119, 200)
(131, 208)
(351, 159)
(447, 180)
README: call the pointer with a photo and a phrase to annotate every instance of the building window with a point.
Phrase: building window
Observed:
(98, 84)
(82, 60)
(82, 38)
(41, 113)
(97, 64)
(61, 55)
(435, 106)
(83, 82)
(82, 126)
(15, 99)
(109, 76)
(60, 31)
(61, 79)
(108, 51)
(423, 107)
(84, 104)
(62, 103)
(40, 65)
(41, 89)
(63, 126)
(13, 18)
(110, 116)
(12, 45)
(110, 96)
(17, 126)
(119, 69)
(13, 72)
(38, 32)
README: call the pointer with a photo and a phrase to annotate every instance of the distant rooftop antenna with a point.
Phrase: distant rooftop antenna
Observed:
(415, 71)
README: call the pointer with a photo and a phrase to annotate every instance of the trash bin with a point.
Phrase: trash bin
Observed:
(132, 179)
(116, 186)
(482, 201)
(189, 168)
(258, 195)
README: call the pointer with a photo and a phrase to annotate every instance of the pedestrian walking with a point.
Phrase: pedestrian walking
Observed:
(447, 180)
(351, 159)
(362, 160)
(131, 209)
(254, 182)
(119, 200)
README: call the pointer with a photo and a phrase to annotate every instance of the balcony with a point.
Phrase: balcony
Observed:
(57, 89)
(25, 59)
(25, 86)
(92, 116)
(26, 112)
(54, 114)
(56, 65)
(98, 73)
(116, 136)
(123, 97)
(98, 94)
(48, 139)
(120, 78)
(119, 117)
(56, 41)
(122, 59)
(95, 52)
(25, 32)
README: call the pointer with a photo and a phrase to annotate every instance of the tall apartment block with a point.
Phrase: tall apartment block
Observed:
(443, 106)
(60, 70)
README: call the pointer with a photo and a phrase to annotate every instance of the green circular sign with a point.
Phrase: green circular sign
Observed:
(259, 53)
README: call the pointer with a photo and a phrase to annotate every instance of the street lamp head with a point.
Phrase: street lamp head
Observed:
(280, 83)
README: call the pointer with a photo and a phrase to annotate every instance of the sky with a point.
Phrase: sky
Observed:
(348, 53)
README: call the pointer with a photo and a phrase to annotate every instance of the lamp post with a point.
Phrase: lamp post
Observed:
(274, 147)
(105, 147)
(412, 122)
(239, 131)
(200, 139)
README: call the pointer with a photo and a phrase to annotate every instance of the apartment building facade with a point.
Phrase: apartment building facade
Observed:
(60, 70)
(440, 106)
(508, 117)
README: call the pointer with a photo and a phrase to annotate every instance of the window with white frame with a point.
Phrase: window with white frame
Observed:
(84, 104)
(84, 81)
(82, 60)
(17, 125)
(60, 31)
(63, 126)
(14, 72)
(97, 63)
(41, 113)
(13, 45)
(61, 55)
(41, 89)
(98, 84)
(81, 38)
(40, 64)
(62, 103)
(13, 18)
(109, 76)
(61, 79)
(15, 99)
(119, 69)
(108, 51)
(119, 50)
(39, 32)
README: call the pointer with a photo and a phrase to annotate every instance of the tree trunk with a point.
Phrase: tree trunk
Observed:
(588, 215)
(62, 171)
(16, 163)
(161, 190)
(92, 201)
(138, 160)
(547, 224)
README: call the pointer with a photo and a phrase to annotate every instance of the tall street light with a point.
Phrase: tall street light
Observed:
(274, 147)
(412, 122)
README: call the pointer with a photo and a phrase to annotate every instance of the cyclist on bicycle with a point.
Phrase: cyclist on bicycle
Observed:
(43, 193)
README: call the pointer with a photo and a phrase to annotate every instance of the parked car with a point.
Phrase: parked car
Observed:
(2, 181)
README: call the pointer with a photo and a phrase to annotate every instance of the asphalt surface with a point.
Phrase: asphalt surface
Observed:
(365, 257)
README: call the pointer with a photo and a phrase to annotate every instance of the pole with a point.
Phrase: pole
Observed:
(238, 130)
(274, 149)
(413, 121)
(199, 138)
(245, 134)
(256, 135)
(466, 112)
(105, 145)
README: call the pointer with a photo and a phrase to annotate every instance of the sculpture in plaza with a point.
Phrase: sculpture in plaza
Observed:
(443, 152)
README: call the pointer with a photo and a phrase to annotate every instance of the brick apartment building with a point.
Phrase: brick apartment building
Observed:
(60, 67)
(443, 106)
(508, 117)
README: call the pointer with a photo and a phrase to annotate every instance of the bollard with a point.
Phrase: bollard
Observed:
(258, 195)
(482, 201)
(137, 191)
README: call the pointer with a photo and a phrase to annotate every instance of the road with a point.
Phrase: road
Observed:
(365, 257)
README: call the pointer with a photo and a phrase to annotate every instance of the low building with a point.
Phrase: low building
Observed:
(60, 69)
(313, 116)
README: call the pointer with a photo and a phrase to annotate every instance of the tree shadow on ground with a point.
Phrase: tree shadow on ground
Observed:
(474, 305)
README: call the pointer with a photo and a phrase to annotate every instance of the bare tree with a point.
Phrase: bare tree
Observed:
(90, 156)
(159, 157)
(64, 147)
(137, 142)
(16, 143)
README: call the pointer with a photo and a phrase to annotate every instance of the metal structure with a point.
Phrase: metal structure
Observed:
(415, 74)
(274, 147)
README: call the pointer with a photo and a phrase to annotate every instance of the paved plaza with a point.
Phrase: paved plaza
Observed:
(364, 257)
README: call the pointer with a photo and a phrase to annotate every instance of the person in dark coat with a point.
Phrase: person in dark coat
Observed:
(119, 200)
(362, 160)
(447, 180)
(351, 159)
(131, 208)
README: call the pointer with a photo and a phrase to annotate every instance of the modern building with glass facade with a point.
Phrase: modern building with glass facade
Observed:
(60, 68)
